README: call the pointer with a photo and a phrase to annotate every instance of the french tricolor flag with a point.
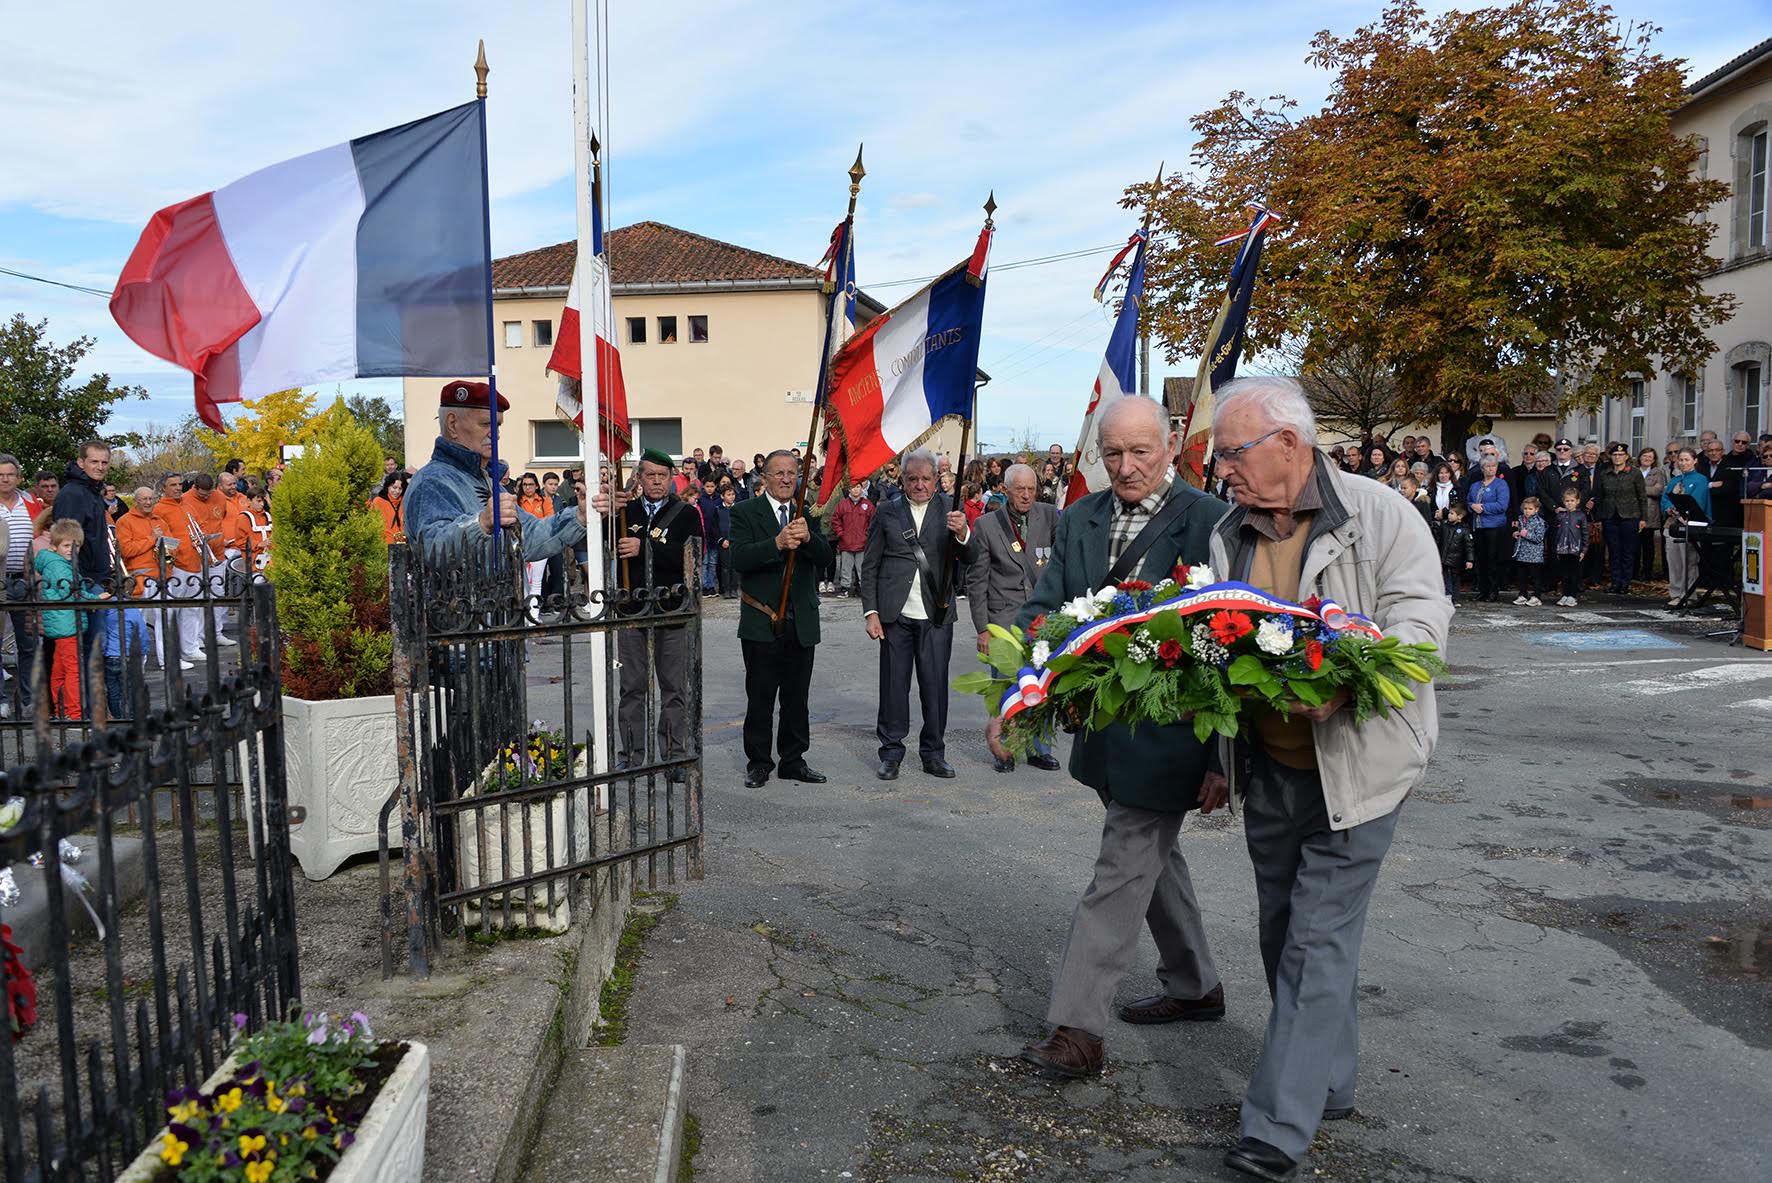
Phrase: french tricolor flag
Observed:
(910, 369)
(1117, 379)
(614, 437)
(367, 259)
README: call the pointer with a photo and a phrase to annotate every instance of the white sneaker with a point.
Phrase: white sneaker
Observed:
(186, 665)
(1519, 599)
(1674, 603)
(1567, 601)
(224, 640)
(1534, 602)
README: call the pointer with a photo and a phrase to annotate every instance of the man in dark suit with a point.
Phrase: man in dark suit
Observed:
(1148, 778)
(651, 534)
(1010, 548)
(907, 602)
(778, 654)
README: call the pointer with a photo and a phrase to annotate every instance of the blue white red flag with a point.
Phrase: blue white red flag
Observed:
(1117, 380)
(363, 260)
(615, 437)
(909, 370)
(1224, 343)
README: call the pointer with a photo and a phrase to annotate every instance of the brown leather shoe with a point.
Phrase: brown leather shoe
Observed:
(1068, 1051)
(1160, 1008)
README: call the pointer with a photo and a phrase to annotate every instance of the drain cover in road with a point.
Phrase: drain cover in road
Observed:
(1627, 638)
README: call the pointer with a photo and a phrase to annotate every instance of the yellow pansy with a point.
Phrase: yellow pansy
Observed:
(258, 1172)
(184, 1111)
(249, 1143)
(173, 1151)
(230, 1100)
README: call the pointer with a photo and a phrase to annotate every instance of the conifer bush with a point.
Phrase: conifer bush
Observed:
(329, 565)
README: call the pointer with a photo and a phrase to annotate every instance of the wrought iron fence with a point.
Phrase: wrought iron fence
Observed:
(137, 996)
(542, 738)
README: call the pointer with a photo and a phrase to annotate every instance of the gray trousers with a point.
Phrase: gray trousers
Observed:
(1312, 885)
(670, 667)
(1139, 873)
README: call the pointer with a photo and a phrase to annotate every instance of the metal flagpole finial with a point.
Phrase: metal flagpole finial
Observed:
(856, 171)
(596, 145)
(990, 208)
(481, 69)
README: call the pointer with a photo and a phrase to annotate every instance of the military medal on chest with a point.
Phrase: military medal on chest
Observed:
(1016, 546)
(657, 534)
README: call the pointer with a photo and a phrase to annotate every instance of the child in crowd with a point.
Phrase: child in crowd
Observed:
(726, 577)
(1458, 549)
(1571, 545)
(61, 627)
(1410, 487)
(1529, 553)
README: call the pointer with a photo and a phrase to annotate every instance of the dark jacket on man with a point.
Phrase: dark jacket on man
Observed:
(663, 535)
(760, 566)
(999, 576)
(82, 500)
(889, 563)
(1150, 767)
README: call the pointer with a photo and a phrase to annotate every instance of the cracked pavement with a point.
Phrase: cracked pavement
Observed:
(1565, 973)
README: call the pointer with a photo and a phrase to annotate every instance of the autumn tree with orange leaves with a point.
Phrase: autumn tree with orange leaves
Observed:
(1491, 203)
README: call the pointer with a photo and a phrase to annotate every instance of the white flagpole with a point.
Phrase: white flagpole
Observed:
(591, 299)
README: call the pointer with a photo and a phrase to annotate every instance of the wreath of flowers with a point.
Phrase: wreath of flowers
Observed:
(1194, 648)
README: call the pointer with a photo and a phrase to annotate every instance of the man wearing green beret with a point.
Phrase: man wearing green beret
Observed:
(778, 654)
(651, 533)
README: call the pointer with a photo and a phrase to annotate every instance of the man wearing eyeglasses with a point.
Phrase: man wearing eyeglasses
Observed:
(1563, 474)
(1321, 794)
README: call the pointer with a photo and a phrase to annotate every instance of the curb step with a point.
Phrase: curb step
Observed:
(615, 1116)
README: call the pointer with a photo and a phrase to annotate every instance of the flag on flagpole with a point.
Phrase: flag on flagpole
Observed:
(909, 371)
(614, 436)
(839, 276)
(363, 260)
(1224, 344)
(1117, 379)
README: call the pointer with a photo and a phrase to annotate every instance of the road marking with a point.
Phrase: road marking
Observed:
(1585, 618)
(1757, 704)
(1716, 675)
(1628, 638)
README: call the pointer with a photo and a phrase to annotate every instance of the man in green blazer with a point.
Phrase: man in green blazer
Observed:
(1149, 777)
(778, 655)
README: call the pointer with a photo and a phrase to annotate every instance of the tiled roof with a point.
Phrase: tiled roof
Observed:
(650, 253)
(1729, 67)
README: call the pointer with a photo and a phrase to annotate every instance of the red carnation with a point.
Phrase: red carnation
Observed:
(1134, 585)
(1314, 603)
(1228, 627)
(1039, 622)
(1313, 653)
(1169, 652)
(1180, 573)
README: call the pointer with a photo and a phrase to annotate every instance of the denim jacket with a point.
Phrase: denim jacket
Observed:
(444, 501)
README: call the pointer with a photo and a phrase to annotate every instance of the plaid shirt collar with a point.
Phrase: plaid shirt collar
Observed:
(1127, 520)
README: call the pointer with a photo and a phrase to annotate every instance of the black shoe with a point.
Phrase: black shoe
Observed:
(939, 767)
(888, 770)
(1044, 760)
(803, 773)
(1160, 1008)
(1339, 1113)
(1252, 1156)
(756, 778)
(1003, 763)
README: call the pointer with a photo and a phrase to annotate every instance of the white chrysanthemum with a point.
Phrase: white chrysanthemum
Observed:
(1080, 609)
(1106, 595)
(1199, 576)
(1274, 636)
(1042, 651)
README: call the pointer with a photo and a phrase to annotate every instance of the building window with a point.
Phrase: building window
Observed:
(1753, 398)
(1639, 416)
(1756, 188)
(667, 330)
(544, 333)
(698, 330)
(1686, 405)
(554, 440)
(513, 334)
(664, 434)
(636, 330)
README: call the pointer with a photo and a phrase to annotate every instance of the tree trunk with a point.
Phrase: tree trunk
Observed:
(1455, 428)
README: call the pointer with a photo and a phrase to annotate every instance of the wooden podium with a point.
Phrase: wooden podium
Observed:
(1756, 605)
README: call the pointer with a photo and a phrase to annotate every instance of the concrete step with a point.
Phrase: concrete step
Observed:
(615, 1116)
(29, 918)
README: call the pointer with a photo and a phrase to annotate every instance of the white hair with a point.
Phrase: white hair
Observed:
(1153, 410)
(1281, 401)
(917, 456)
(1014, 470)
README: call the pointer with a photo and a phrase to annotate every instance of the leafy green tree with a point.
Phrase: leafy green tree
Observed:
(388, 429)
(47, 413)
(159, 450)
(329, 563)
(1489, 203)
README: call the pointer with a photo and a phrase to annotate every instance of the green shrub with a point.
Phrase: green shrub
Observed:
(329, 565)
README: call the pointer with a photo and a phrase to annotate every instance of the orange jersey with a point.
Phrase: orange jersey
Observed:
(179, 529)
(254, 530)
(538, 506)
(135, 544)
(233, 538)
(211, 516)
(393, 521)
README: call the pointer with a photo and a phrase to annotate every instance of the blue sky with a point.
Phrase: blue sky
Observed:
(736, 120)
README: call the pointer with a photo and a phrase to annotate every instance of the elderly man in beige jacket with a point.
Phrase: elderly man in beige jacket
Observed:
(1320, 793)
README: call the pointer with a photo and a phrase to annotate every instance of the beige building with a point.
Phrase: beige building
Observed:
(719, 345)
(1730, 113)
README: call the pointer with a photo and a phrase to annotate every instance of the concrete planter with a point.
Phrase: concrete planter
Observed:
(390, 1145)
(538, 828)
(342, 761)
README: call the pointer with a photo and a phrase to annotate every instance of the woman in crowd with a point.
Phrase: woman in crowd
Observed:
(1458, 473)
(1488, 500)
(1378, 463)
(1444, 493)
(1682, 559)
(1619, 499)
(1051, 484)
(533, 501)
(1654, 483)
(1398, 470)
(388, 501)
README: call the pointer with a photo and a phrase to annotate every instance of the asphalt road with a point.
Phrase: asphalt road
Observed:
(1565, 973)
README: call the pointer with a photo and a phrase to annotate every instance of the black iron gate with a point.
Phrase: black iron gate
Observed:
(515, 780)
(150, 936)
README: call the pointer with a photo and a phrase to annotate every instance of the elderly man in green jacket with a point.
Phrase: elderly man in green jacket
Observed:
(778, 653)
(1149, 777)
(1320, 793)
